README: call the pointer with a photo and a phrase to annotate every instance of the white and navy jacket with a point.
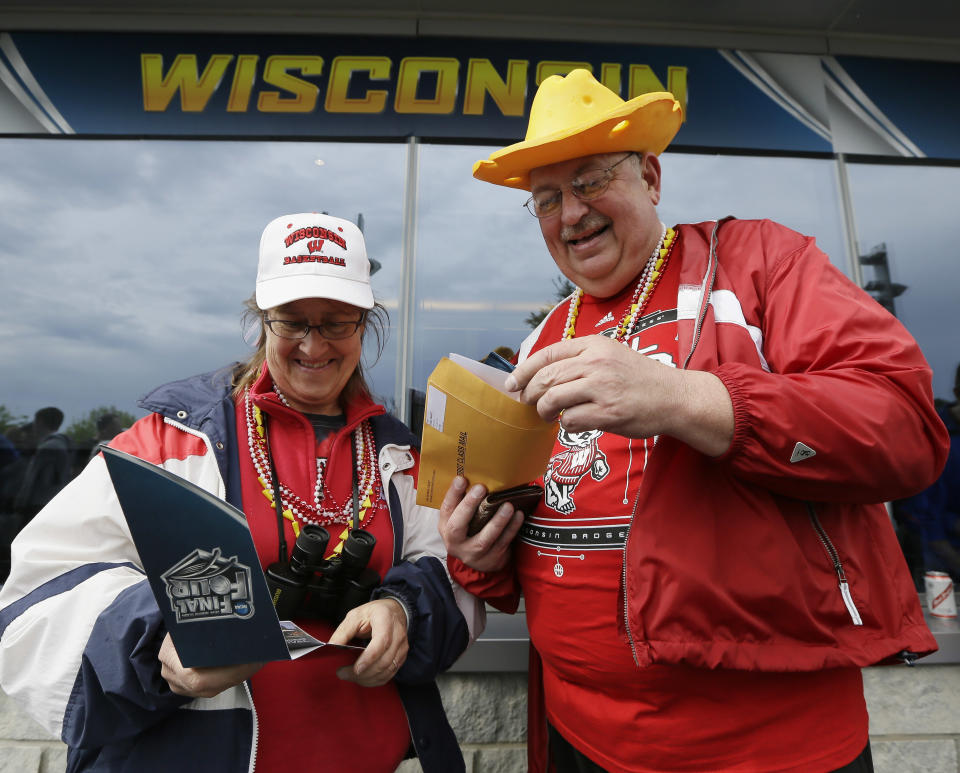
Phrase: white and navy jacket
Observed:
(80, 629)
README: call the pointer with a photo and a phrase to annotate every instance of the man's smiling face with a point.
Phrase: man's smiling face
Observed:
(601, 245)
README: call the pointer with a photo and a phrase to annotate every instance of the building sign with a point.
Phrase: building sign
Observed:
(345, 87)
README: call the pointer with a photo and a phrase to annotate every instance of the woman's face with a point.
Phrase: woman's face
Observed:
(311, 372)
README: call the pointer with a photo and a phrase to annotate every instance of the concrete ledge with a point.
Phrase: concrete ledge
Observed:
(914, 756)
(504, 645)
(914, 723)
(20, 759)
(947, 634)
(486, 708)
(905, 701)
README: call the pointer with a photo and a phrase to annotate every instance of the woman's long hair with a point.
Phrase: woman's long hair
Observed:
(375, 321)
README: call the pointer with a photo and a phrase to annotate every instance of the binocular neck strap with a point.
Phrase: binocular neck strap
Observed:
(356, 495)
(278, 505)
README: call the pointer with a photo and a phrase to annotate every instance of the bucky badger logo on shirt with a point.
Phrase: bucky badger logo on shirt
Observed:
(581, 455)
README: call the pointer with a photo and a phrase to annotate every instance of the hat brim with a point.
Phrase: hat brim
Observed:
(646, 123)
(286, 289)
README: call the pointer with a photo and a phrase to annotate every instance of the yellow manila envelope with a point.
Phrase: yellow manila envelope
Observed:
(473, 427)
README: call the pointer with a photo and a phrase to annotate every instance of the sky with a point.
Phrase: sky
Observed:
(125, 263)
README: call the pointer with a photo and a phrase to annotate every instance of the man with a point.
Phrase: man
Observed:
(935, 512)
(108, 427)
(711, 564)
(49, 468)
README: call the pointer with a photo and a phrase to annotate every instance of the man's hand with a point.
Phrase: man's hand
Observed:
(598, 383)
(489, 549)
(384, 622)
(200, 682)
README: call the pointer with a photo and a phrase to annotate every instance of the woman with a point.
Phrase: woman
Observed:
(292, 437)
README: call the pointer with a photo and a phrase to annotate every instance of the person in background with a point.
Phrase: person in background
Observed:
(293, 437)
(935, 512)
(22, 438)
(8, 452)
(711, 564)
(10, 463)
(108, 427)
(49, 468)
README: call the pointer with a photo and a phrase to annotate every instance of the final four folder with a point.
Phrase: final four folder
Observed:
(473, 427)
(203, 569)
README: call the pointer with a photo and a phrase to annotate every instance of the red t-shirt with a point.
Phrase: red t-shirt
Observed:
(305, 713)
(570, 565)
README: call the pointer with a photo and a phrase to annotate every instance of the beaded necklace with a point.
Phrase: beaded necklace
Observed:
(652, 272)
(325, 509)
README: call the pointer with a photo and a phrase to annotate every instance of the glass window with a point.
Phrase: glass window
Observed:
(800, 193)
(911, 211)
(124, 264)
(907, 220)
(482, 266)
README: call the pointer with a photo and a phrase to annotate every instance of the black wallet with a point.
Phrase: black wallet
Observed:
(524, 498)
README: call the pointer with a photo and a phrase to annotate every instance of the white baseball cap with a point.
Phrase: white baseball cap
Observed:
(310, 255)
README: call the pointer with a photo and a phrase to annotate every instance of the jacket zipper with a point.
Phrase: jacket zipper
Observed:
(222, 490)
(255, 741)
(712, 263)
(623, 581)
(709, 279)
(413, 742)
(837, 566)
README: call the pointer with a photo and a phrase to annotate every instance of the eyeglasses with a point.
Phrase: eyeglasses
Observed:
(588, 186)
(332, 330)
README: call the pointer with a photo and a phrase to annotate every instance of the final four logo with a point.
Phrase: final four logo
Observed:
(206, 586)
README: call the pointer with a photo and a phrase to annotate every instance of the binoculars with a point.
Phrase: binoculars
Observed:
(310, 586)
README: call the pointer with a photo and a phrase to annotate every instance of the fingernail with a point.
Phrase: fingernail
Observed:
(477, 490)
(459, 483)
(511, 384)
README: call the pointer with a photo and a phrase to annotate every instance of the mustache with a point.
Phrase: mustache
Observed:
(591, 222)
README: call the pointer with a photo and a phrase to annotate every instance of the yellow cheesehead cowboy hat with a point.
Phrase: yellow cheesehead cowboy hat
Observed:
(576, 116)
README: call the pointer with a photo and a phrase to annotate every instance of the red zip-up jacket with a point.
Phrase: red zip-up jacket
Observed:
(769, 557)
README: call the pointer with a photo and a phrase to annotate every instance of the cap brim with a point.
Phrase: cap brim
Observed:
(647, 123)
(276, 292)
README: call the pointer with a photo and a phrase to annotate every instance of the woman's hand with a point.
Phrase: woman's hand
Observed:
(384, 622)
(488, 550)
(200, 682)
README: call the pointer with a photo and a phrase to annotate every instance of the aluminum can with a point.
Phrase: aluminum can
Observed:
(940, 597)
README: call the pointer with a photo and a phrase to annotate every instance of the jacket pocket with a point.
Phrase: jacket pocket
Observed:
(834, 557)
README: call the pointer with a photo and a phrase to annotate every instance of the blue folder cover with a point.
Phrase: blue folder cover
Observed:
(202, 566)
